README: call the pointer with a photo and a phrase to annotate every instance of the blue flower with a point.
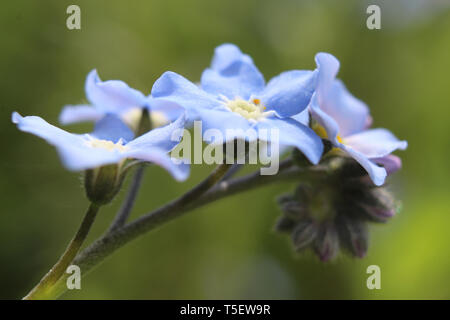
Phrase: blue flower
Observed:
(233, 95)
(116, 97)
(344, 120)
(111, 142)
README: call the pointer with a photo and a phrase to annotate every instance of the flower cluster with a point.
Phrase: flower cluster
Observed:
(313, 112)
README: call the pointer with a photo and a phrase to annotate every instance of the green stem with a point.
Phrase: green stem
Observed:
(110, 242)
(43, 290)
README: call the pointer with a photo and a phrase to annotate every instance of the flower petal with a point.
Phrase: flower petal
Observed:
(232, 74)
(293, 133)
(74, 150)
(160, 138)
(169, 109)
(41, 128)
(226, 54)
(179, 171)
(290, 92)
(302, 117)
(377, 174)
(113, 95)
(80, 113)
(351, 114)
(111, 128)
(326, 121)
(328, 67)
(375, 143)
(390, 162)
(176, 88)
(242, 80)
(222, 120)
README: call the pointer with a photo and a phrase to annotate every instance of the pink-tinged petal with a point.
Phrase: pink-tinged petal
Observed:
(376, 173)
(390, 162)
(350, 113)
(375, 143)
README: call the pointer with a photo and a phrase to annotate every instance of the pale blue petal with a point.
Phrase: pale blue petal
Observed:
(39, 127)
(110, 127)
(245, 82)
(324, 120)
(174, 87)
(302, 117)
(290, 92)
(328, 67)
(375, 143)
(74, 150)
(113, 95)
(80, 113)
(293, 133)
(232, 74)
(82, 157)
(376, 173)
(221, 119)
(350, 113)
(170, 109)
(179, 171)
(226, 54)
(162, 138)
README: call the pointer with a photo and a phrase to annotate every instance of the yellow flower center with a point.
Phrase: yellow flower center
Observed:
(107, 145)
(251, 109)
(322, 132)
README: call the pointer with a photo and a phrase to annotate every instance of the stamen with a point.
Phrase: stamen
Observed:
(251, 109)
(107, 144)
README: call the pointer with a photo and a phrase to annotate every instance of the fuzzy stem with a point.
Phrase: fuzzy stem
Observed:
(109, 243)
(43, 290)
(128, 204)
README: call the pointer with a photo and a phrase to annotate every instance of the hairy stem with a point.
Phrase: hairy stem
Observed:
(43, 290)
(128, 204)
(109, 243)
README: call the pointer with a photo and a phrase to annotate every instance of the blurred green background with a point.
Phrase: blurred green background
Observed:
(227, 249)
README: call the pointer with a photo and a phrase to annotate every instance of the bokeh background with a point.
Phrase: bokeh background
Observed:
(227, 249)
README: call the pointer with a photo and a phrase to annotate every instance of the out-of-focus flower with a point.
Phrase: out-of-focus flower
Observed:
(344, 120)
(233, 95)
(332, 213)
(116, 97)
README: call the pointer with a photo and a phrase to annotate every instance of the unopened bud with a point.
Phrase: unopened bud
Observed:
(354, 235)
(326, 244)
(103, 183)
(304, 234)
(284, 224)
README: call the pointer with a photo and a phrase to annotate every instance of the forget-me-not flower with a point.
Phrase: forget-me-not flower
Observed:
(116, 97)
(344, 120)
(111, 142)
(233, 95)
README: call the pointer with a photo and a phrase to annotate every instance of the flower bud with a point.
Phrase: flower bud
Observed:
(103, 183)
(354, 235)
(326, 244)
(378, 204)
(303, 234)
(284, 224)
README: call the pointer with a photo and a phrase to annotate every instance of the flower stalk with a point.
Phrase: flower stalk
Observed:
(44, 289)
(202, 194)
